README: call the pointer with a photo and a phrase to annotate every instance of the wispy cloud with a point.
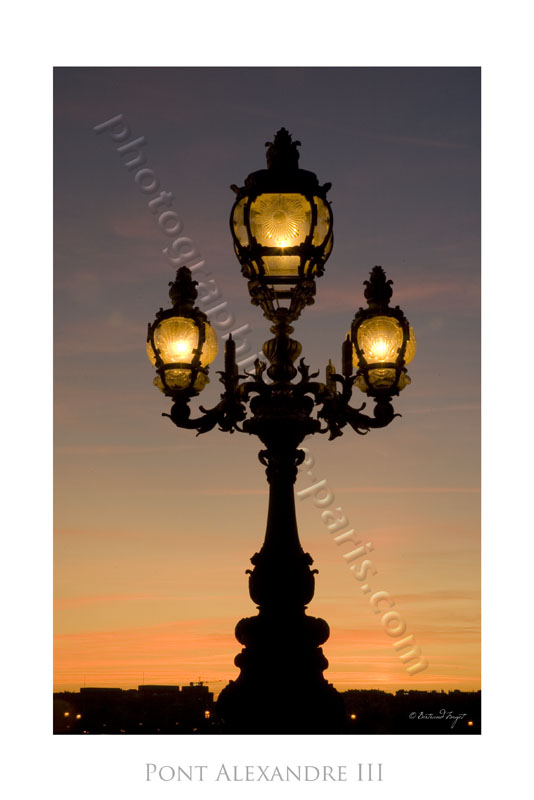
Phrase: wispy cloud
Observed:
(453, 408)
(112, 334)
(409, 489)
(67, 603)
(139, 227)
(182, 651)
(117, 450)
(422, 142)
(460, 293)
(438, 595)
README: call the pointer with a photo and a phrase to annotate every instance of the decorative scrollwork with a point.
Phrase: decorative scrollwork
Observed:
(282, 408)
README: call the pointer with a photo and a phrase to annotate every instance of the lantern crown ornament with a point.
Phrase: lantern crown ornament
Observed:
(180, 342)
(383, 341)
(281, 224)
(282, 154)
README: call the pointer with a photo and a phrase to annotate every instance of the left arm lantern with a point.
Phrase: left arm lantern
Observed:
(180, 342)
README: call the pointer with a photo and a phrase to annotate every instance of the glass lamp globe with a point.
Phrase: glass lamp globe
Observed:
(281, 222)
(177, 342)
(285, 234)
(180, 342)
(380, 339)
(383, 341)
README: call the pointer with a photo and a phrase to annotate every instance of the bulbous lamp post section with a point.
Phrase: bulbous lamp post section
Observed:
(281, 223)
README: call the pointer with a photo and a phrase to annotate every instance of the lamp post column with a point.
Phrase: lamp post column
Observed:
(281, 688)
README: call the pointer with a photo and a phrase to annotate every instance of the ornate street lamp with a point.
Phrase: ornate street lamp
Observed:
(181, 342)
(282, 228)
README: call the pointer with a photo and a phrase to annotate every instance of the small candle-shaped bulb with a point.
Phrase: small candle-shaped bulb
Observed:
(330, 371)
(346, 356)
(230, 366)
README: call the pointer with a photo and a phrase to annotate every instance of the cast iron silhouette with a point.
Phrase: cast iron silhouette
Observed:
(281, 687)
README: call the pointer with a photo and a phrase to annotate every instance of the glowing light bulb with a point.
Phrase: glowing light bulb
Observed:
(281, 227)
(379, 349)
(181, 349)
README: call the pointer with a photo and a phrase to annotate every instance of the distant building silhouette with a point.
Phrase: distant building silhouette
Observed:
(147, 709)
(160, 709)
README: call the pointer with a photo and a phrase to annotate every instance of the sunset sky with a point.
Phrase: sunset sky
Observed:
(154, 527)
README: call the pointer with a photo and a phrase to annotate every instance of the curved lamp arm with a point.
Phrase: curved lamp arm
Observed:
(228, 412)
(337, 412)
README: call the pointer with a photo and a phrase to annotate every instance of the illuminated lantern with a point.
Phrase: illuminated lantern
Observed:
(180, 342)
(383, 341)
(281, 223)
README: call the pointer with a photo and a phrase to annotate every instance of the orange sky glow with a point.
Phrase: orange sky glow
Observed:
(154, 527)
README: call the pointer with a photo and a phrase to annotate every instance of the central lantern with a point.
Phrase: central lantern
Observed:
(281, 223)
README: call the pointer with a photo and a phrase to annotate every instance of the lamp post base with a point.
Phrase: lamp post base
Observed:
(281, 689)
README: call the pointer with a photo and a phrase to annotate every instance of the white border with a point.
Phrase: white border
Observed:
(409, 34)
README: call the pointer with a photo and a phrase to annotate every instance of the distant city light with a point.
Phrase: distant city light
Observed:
(197, 705)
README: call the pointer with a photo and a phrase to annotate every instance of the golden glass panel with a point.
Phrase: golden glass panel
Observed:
(180, 379)
(238, 222)
(380, 339)
(209, 348)
(411, 347)
(323, 222)
(382, 379)
(280, 220)
(404, 380)
(281, 265)
(176, 339)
